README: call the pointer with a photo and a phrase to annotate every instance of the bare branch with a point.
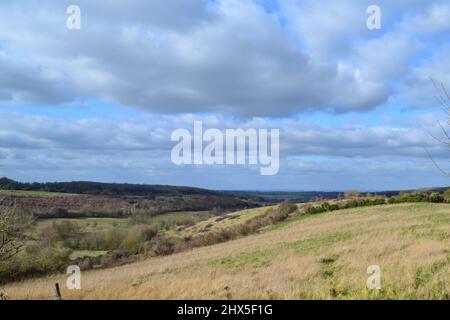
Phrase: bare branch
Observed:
(436, 164)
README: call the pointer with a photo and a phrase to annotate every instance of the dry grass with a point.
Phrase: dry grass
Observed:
(217, 222)
(323, 256)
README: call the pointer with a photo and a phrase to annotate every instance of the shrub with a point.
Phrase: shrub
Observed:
(65, 229)
(447, 196)
(48, 237)
(108, 260)
(435, 197)
(351, 194)
(132, 243)
(287, 207)
(44, 261)
(136, 237)
(416, 197)
(158, 246)
(58, 212)
(53, 259)
(85, 264)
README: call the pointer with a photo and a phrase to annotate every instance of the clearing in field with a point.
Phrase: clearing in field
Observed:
(322, 256)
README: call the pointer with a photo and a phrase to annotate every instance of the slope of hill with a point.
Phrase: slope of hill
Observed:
(98, 188)
(93, 199)
(64, 205)
(323, 256)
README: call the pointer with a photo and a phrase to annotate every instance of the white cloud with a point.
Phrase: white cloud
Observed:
(195, 56)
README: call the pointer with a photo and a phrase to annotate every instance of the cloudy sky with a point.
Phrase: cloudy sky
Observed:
(355, 107)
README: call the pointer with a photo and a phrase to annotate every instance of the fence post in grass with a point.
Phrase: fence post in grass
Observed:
(57, 291)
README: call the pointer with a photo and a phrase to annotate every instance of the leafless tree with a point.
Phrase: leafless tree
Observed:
(12, 226)
(443, 98)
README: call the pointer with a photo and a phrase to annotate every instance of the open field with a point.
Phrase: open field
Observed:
(322, 256)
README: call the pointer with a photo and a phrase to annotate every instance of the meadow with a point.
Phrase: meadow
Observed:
(322, 256)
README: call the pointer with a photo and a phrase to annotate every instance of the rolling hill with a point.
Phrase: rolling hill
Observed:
(322, 256)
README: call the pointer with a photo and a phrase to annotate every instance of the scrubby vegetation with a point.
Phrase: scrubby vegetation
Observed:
(269, 217)
(56, 205)
(353, 200)
(320, 256)
(52, 244)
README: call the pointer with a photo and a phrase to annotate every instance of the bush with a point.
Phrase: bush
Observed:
(355, 203)
(44, 261)
(417, 197)
(435, 197)
(65, 229)
(351, 194)
(58, 212)
(287, 207)
(85, 264)
(158, 246)
(132, 243)
(447, 196)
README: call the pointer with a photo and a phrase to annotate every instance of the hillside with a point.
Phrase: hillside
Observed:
(98, 188)
(314, 256)
(94, 199)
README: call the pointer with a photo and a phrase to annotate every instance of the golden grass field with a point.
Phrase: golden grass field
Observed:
(323, 256)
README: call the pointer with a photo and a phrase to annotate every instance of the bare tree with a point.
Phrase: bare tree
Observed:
(443, 99)
(12, 226)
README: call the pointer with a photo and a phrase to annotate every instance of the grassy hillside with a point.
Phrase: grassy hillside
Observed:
(321, 256)
(218, 222)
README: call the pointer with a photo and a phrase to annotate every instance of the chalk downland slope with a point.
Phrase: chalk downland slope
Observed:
(322, 256)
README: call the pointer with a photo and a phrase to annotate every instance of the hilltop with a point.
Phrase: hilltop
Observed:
(100, 188)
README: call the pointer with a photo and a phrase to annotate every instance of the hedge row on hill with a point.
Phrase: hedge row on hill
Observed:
(434, 197)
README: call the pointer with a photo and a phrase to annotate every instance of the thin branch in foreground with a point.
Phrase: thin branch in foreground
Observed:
(436, 164)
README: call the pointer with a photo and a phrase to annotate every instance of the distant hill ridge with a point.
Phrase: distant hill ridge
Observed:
(148, 190)
(100, 188)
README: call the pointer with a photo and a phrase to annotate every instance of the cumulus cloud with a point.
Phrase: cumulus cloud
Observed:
(230, 63)
(202, 56)
(137, 149)
(152, 134)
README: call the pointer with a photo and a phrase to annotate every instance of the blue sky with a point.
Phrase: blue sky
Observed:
(355, 107)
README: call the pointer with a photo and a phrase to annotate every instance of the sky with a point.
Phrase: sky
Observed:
(355, 107)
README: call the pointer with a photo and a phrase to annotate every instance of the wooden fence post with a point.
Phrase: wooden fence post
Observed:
(57, 291)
